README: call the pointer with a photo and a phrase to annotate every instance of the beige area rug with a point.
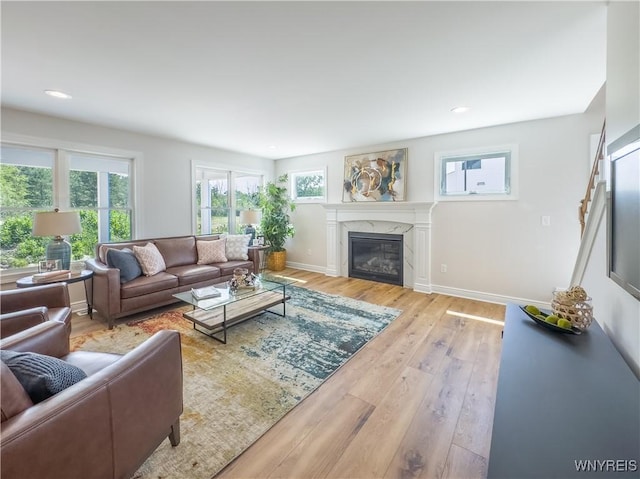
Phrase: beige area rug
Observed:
(234, 393)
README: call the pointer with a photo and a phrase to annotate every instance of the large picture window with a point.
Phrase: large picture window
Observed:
(41, 179)
(100, 188)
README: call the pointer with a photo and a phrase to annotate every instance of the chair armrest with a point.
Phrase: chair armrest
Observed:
(50, 338)
(152, 370)
(50, 295)
(74, 423)
(12, 323)
(106, 288)
(107, 422)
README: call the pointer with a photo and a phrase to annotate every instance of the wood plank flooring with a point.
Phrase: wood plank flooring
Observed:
(416, 402)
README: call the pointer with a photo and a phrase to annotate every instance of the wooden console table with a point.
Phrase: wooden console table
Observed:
(563, 398)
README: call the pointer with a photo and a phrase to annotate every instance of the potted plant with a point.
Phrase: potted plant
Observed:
(275, 224)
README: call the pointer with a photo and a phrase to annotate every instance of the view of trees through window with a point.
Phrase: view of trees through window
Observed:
(214, 202)
(98, 188)
(308, 185)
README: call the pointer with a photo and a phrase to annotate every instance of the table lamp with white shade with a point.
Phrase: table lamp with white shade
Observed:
(250, 218)
(57, 224)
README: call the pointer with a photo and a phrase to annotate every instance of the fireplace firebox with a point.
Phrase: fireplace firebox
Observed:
(376, 257)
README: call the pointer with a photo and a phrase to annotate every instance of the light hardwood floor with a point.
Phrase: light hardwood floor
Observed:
(416, 401)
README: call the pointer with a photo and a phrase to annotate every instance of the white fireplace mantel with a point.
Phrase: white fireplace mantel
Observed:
(413, 220)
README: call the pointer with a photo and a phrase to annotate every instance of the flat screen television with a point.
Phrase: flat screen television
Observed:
(623, 218)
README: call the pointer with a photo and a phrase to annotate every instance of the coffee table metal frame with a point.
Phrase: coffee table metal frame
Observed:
(218, 314)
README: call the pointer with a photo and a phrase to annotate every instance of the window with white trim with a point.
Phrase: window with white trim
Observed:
(217, 205)
(40, 179)
(483, 174)
(308, 186)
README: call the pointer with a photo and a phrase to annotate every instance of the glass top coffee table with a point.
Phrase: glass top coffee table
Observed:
(213, 316)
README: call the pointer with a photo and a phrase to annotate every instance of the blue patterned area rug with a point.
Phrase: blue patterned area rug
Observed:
(234, 393)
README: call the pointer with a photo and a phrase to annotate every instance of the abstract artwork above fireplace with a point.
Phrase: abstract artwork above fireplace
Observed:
(377, 176)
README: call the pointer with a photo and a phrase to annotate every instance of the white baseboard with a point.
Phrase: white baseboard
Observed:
(79, 307)
(307, 267)
(423, 288)
(434, 288)
(486, 297)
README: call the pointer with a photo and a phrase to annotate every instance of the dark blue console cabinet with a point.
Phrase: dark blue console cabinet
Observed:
(566, 405)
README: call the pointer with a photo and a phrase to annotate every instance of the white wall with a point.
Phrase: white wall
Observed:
(623, 68)
(616, 310)
(163, 174)
(494, 250)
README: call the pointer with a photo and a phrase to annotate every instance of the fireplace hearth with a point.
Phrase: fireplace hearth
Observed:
(376, 257)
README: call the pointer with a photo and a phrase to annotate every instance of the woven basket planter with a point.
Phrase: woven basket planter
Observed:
(578, 311)
(277, 260)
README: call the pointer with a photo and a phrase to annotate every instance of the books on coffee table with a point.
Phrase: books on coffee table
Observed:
(205, 293)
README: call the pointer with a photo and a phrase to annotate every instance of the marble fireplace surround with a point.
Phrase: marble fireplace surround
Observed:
(411, 220)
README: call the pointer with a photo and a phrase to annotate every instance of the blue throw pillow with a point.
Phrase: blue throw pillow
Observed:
(41, 376)
(126, 262)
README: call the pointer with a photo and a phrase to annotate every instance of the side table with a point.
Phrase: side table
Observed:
(261, 250)
(85, 275)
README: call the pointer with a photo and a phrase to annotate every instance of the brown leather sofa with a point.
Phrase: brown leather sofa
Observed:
(22, 308)
(104, 426)
(114, 300)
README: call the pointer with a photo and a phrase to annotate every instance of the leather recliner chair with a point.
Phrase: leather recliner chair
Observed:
(104, 426)
(22, 308)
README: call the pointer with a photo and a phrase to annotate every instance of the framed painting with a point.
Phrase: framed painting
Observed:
(378, 176)
(49, 265)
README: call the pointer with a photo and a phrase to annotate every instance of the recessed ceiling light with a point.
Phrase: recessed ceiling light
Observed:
(460, 109)
(272, 147)
(58, 94)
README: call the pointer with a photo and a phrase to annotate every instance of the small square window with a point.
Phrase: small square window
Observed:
(308, 186)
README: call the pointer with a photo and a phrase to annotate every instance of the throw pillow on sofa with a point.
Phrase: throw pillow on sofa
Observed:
(126, 262)
(212, 251)
(41, 376)
(150, 259)
(237, 247)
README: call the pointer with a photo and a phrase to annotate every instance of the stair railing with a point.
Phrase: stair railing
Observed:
(595, 170)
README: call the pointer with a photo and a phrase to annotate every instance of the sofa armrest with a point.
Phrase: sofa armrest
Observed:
(50, 338)
(254, 255)
(50, 295)
(106, 422)
(12, 323)
(106, 289)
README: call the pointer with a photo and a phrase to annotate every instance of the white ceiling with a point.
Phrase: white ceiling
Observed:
(282, 79)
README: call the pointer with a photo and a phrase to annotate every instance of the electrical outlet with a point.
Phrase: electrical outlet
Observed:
(308, 252)
(545, 220)
(443, 268)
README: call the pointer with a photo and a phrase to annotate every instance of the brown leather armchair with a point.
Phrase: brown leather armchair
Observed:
(22, 308)
(104, 426)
